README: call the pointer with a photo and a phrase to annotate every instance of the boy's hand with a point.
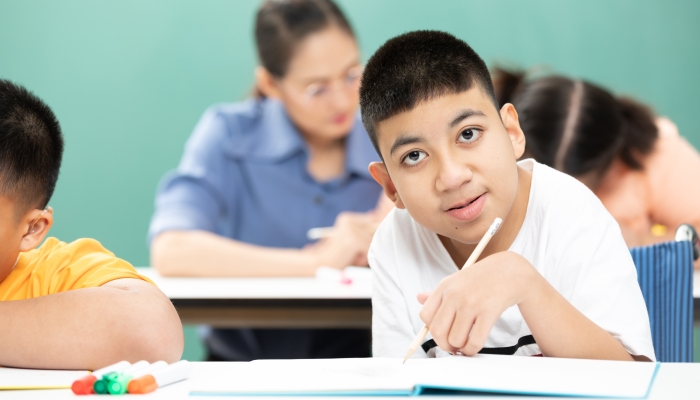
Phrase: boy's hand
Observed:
(473, 299)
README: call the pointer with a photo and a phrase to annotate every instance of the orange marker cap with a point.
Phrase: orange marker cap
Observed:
(84, 385)
(143, 385)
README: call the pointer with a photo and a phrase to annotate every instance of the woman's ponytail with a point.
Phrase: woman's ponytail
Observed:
(506, 84)
(639, 132)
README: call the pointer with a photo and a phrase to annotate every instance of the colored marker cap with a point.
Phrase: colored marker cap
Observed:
(84, 385)
(143, 385)
(100, 386)
(119, 385)
(110, 376)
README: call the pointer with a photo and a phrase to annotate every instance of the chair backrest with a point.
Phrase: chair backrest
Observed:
(665, 273)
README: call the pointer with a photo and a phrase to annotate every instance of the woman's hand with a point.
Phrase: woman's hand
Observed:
(348, 243)
(351, 236)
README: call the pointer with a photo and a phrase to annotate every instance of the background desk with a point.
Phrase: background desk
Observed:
(673, 381)
(268, 302)
(281, 302)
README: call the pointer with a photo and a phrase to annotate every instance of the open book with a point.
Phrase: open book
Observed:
(481, 373)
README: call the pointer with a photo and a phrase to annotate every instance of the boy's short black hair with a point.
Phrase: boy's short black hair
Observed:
(31, 147)
(415, 67)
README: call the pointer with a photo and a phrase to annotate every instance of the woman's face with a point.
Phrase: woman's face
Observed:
(321, 88)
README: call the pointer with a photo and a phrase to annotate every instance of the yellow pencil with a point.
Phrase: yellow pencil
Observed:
(472, 259)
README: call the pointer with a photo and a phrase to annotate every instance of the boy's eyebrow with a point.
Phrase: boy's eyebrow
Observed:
(468, 113)
(403, 140)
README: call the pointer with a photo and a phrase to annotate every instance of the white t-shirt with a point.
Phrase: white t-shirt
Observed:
(567, 235)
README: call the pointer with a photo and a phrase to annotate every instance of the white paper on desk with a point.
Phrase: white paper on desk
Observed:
(482, 373)
(21, 379)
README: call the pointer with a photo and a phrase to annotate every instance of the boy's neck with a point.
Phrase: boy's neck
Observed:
(460, 252)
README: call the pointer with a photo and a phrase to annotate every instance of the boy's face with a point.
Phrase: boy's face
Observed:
(17, 235)
(451, 163)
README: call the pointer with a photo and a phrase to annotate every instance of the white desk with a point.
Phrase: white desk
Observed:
(269, 302)
(674, 381)
(281, 302)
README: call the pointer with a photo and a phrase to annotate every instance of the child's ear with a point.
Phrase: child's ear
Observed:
(381, 175)
(266, 83)
(510, 120)
(37, 223)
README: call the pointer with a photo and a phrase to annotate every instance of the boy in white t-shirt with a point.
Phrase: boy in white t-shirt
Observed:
(556, 280)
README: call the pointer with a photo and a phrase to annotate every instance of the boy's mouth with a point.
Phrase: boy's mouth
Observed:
(468, 210)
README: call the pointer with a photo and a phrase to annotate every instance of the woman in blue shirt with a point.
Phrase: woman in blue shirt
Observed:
(257, 175)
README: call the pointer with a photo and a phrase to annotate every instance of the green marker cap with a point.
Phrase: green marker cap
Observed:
(110, 376)
(120, 384)
(100, 386)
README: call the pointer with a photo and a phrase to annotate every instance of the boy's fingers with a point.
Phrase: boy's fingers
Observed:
(430, 307)
(440, 327)
(459, 332)
(479, 333)
(422, 297)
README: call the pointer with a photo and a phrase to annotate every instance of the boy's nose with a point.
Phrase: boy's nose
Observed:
(452, 175)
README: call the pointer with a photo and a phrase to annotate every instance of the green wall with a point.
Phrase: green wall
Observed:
(129, 79)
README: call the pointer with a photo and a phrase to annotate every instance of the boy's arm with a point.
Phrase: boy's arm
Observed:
(125, 319)
(473, 299)
(563, 331)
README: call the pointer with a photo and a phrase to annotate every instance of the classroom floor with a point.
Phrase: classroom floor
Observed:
(195, 350)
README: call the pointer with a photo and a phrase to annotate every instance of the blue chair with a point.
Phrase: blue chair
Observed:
(665, 273)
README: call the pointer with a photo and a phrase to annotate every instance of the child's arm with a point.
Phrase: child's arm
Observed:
(125, 319)
(473, 299)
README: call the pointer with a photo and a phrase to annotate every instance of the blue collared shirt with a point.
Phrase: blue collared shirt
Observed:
(243, 176)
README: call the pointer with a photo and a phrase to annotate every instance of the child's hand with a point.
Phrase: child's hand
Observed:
(473, 299)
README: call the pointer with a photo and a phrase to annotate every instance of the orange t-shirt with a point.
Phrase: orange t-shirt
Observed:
(665, 192)
(57, 266)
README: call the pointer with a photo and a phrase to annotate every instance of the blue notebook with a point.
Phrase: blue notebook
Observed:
(457, 374)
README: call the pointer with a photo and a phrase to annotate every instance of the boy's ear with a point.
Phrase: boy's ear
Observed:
(38, 223)
(381, 175)
(266, 83)
(510, 120)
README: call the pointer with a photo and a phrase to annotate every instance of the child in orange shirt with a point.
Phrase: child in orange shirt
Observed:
(64, 306)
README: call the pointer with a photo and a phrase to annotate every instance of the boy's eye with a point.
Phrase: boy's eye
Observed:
(468, 135)
(414, 157)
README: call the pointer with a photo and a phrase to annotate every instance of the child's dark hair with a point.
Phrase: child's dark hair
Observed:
(281, 25)
(415, 67)
(576, 126)
(31, 147)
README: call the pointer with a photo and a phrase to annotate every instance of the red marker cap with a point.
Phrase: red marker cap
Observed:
(143, 385)
(84, 385)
